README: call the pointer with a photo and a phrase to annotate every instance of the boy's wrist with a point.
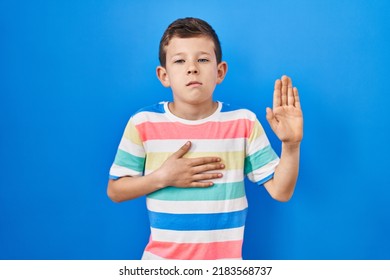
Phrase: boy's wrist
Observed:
(286, 146)
(158, 180)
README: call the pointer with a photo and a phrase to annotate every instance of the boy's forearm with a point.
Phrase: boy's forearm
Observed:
(127, 188)
(176, 171)
(282, 186)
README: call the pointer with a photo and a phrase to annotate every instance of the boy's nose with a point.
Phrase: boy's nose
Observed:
(192, 70)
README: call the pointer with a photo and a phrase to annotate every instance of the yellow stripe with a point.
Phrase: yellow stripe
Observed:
(257, 131)
(232, 160)
(131, 133)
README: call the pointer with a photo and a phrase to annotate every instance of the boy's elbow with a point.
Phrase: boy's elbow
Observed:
(282, 197)
(281, 194)
(112, 194)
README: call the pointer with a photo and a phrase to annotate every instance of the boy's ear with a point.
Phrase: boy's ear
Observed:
(162, 75)
(222, 70)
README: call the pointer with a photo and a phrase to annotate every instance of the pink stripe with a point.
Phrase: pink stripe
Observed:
(211, 130)
(196, 251)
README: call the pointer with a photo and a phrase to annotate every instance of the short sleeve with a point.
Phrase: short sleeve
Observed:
(260, 160)
(130, 156)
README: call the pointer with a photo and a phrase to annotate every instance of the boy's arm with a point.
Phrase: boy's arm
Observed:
(176, 171)
(286, 120)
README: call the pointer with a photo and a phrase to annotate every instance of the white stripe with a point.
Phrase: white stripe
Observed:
(264, 171)
(120, 171)
(198, 145)
(149, 117)
(197, 207)
(218, 116)
(228, 176)
(149, 256)
(233, 115)
(237, 114)
(198, 236)
(129, 147)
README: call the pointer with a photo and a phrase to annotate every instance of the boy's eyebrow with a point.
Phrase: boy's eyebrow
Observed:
(204, 52)
(179, 53)
(198, 53)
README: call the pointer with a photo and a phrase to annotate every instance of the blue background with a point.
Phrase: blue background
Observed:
(72, 72)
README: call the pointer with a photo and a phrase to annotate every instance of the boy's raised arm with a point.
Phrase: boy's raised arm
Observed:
(176, 171)
(286, 120)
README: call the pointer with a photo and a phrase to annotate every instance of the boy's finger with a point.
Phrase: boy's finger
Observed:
(270, 116)
(284, 90)
(277, 93)
(183, 150)
(290, 94)
(201, 184)
(203, 160)
(208, 167)
(296, 98)
(207, 176)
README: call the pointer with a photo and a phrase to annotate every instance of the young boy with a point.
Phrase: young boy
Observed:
(190, 156)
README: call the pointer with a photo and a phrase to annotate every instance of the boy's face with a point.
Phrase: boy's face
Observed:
(191, 70)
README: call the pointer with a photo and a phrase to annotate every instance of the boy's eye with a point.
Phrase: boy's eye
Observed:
(179, 61)
(203, 60)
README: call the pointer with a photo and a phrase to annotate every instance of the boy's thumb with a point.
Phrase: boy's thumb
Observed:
(183, 150)
(269, 114)
(270, 117)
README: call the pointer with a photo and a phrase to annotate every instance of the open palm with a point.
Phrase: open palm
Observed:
(286, 118)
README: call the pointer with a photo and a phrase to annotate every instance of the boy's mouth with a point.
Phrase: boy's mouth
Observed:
(194, 83)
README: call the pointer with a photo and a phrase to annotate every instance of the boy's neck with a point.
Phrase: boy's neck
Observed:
(192, 112)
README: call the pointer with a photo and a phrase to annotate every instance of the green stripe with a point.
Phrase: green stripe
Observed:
(259, 159)
(130, 161)
(216, 192)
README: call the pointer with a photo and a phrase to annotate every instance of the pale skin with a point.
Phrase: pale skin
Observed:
(193, 59)
(286, 120)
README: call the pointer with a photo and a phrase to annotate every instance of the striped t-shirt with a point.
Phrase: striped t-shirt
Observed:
(197, 223)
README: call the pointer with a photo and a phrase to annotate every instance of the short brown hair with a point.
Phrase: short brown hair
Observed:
(188, 28)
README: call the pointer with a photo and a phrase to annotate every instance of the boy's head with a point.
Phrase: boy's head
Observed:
(188, 28)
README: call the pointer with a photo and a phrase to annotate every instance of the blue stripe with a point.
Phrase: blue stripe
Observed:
(264, 180)
(197, 221)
